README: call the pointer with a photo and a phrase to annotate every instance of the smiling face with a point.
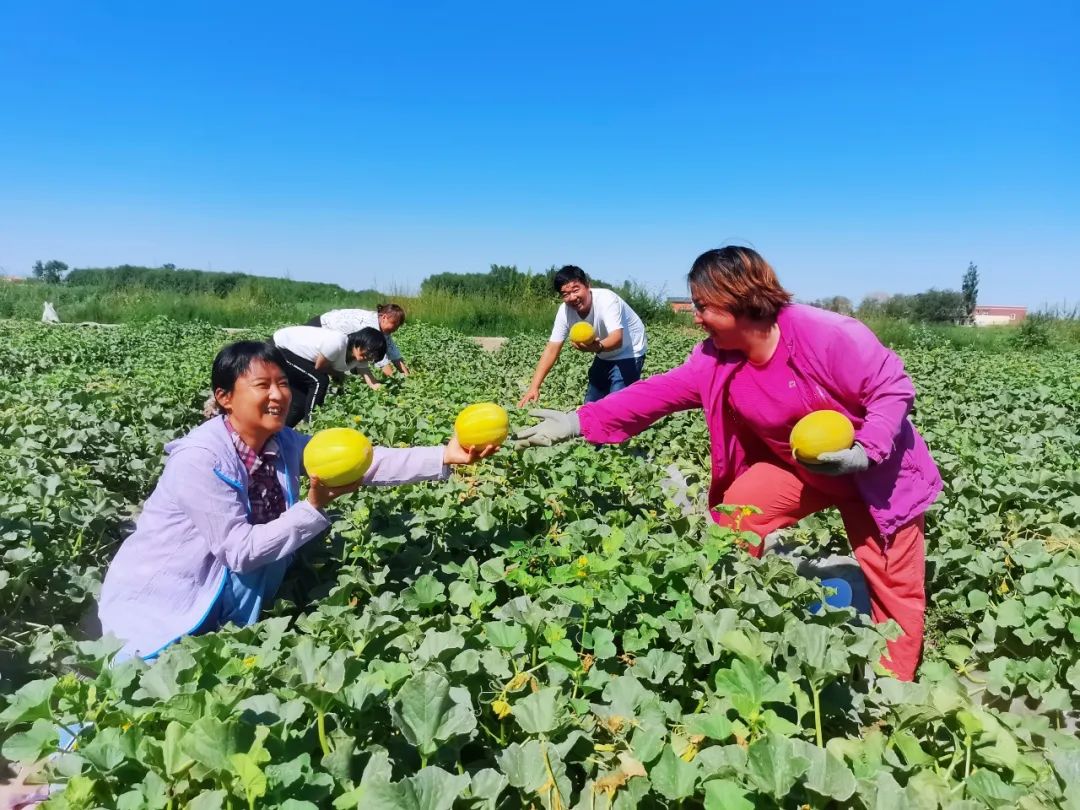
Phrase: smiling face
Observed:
(258, 403)
(723, 328)
(577, 296)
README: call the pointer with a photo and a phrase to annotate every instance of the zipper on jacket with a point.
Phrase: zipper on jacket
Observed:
(237, 486)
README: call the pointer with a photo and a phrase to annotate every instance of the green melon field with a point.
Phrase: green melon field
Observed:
(548, 629)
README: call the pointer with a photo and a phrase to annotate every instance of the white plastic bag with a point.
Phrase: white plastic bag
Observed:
(49, 315)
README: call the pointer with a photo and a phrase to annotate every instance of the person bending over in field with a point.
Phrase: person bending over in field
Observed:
(618, 340)
(767, 363)
(314, 355)
(387, 318)
(216, 535)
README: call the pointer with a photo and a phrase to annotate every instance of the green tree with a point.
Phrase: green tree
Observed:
(970, 289)
(50, 272)
(938, 306)
(835, 303)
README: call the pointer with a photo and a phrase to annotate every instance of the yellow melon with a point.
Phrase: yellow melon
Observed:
(820, 432)
(338, 456)
(482, 424)
(582, 332)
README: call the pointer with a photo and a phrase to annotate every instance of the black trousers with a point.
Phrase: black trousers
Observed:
(316, 321)
(308, 386)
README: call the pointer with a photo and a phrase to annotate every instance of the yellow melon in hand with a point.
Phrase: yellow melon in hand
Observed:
(820, 432)
(338, 456)
(482, 424)
(582, 332)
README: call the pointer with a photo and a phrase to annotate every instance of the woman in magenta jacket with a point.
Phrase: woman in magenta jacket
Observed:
(767, 363)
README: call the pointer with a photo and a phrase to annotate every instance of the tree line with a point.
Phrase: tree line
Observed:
(931, 306)
(500, 281)
(168, 278)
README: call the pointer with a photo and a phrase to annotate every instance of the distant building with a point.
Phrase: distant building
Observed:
(998, 316)
(681, 304)
(12, 279)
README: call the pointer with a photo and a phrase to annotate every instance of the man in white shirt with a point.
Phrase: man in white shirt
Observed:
(313, 355)
(619, 343)
(387, 318)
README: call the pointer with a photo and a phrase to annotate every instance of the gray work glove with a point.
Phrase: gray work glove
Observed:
(841, 462)
(556, 427)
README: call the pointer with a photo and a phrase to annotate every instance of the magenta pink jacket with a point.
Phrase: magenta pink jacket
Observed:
(840, 364)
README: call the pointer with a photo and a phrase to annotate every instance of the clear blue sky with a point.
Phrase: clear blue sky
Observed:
(860, 147)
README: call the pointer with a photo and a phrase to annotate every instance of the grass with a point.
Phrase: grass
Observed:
(495, 314)
(249, 307)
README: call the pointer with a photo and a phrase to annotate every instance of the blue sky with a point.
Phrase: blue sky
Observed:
(860, 147)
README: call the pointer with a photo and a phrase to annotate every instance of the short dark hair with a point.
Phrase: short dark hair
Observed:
(371, 340)
(564, 275)
(392, 310)
(233, 362)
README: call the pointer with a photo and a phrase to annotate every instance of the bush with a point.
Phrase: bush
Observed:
(1033, 334)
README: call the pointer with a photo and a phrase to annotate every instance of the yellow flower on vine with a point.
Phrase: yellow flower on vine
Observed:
(501, 708)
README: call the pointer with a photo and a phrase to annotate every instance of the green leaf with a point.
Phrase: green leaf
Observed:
(208, 800)
(523, 765)
(176, 761)
(820, 651)
(430, 789)
(436, 643)
(505, 635)
(714, 725)
(988, 787)
(365, 689)
(723, 794)
(31, 745)
(827, 775)
(773, 765)
(166, 676)
(461, 594)
(673, 778)
(603, 643)
(493, 570)
(537, 712)
(487, 785)
(749, 687)
(211, 743)
(109, 748)
(29, 703)
(250, 776)
(426, 592)
(429, 712)
(1010, 613)
(658, 665)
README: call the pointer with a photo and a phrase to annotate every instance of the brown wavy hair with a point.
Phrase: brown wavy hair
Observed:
(737, 279)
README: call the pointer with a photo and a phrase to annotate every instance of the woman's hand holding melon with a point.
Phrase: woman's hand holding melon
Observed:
(336, 460)
(479, 430)
(321, 495)
(455, 453)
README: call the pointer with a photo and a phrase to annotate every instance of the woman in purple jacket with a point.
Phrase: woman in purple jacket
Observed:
(766, 364)
(215, 536)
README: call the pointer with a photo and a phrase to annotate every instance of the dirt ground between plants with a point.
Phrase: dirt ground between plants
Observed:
(490, 344)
